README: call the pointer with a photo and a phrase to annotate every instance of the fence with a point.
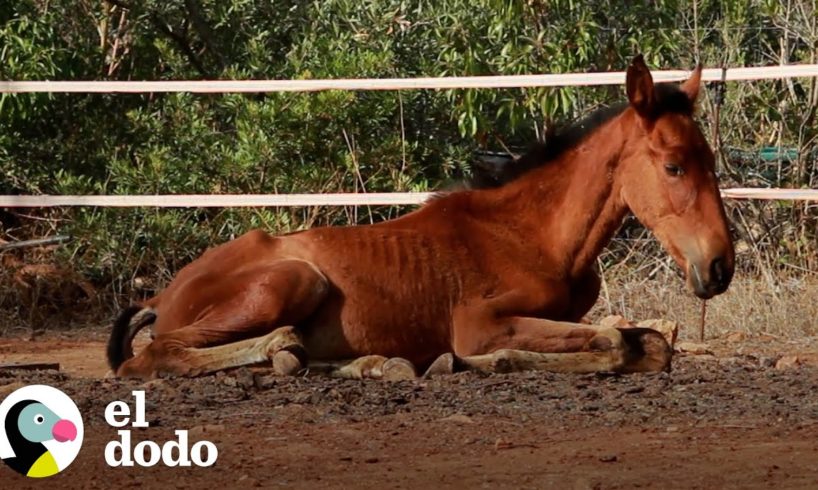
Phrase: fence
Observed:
(355, 199)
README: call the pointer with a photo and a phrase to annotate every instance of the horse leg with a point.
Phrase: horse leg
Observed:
(282, 346)
(243, 328)
(521, 343)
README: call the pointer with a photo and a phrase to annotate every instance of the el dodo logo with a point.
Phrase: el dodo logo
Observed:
(148, 453)
(40, 431)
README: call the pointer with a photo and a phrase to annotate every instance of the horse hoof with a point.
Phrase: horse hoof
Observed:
(398, 369)
(647, 351)
(285, 363)
(444, 364)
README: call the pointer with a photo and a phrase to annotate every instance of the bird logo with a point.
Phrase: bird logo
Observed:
(40, 431)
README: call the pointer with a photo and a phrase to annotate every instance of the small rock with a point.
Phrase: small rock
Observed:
(244, 378)
(160, 388)
(615, 321)
(230, 381)
(693, 348)
(766, 362)
(608, 458)
(735, 337)
(788, 362)
(458, 419)
(200, 430)
(371, 460)
(733, 361)
(669, 329)
(251, 482)
(265, 382)
(502, 444)
(154, 384)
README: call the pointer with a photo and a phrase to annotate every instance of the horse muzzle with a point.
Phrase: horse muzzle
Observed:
(711, 277)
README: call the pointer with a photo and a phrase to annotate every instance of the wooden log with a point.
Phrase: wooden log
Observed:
(31, 366)
(39, 242)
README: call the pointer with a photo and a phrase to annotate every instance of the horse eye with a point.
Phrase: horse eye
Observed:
(674, 170)
(39, 419)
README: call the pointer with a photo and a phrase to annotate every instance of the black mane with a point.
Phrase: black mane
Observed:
(496, 172)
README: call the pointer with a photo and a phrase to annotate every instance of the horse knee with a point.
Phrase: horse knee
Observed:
(162, 356)
(139, 367)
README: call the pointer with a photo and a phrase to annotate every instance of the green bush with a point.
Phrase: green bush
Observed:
(343, 141)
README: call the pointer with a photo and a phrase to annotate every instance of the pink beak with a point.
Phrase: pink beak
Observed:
(64, 430)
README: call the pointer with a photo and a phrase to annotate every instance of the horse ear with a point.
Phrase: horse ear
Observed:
(691, 86)
(639, 84)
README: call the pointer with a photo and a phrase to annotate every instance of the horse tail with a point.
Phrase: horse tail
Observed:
(127, 325)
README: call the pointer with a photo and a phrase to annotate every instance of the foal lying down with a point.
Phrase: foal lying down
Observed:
(493, 279)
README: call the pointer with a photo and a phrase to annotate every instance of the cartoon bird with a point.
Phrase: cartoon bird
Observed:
(29, 423)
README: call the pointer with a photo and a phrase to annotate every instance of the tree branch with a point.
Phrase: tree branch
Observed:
(120, 4)
(181, 42)
(203, 29)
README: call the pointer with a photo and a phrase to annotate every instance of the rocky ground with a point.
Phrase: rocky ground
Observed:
(744, 414)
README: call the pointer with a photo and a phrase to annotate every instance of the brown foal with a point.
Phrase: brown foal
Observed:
(498, 277)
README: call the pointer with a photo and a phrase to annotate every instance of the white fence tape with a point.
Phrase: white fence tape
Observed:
(771, 194)
(372, 199)
(292, 200)
(500, 81)
(220, 200)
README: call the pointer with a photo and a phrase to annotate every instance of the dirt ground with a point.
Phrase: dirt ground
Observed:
(727, 420)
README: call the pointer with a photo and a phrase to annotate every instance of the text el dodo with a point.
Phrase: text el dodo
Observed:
(148, 453)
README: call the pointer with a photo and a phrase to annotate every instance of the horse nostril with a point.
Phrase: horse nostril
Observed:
(718, 271)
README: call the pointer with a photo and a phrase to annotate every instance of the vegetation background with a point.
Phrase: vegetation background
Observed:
(374, 141)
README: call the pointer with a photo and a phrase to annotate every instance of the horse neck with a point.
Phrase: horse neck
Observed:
(571, 206)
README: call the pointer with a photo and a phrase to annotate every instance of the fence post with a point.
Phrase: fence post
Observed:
(718, 89)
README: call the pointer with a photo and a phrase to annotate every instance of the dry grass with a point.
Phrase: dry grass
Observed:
(774, 290)
(640, 284)
(788, 308)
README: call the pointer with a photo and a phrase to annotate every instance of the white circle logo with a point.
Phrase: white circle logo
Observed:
(40, 431)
